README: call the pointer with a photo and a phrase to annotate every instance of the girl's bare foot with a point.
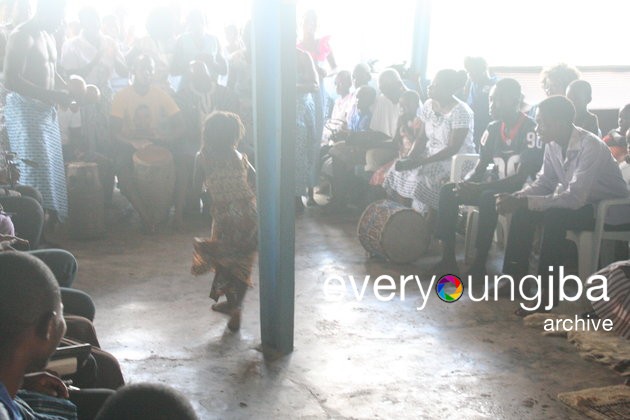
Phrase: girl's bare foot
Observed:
(234, 324)
(223, 307)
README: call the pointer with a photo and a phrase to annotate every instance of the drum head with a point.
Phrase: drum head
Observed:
(405, 237)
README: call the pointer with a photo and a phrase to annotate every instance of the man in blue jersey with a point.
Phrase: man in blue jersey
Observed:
(510, 154)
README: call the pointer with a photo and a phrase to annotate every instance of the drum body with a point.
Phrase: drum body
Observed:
(85, 201)
(154, 173)
(393, 231)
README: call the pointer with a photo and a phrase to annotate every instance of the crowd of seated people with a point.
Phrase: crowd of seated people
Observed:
(543, 164)
(33, 325)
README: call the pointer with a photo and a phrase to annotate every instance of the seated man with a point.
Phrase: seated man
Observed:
(580, 94)
(351, 152)
(342, 107)
(143, 114)
(510, 147)
(31, 326)
(145, 400)
(578, 171)
(383, 126)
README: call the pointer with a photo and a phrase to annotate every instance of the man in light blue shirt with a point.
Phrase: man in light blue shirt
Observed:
(578, 171)
(31, 325)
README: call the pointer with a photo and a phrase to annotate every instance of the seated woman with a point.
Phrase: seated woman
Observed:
(443, 129)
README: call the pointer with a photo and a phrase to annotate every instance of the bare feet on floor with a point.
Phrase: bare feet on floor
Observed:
(223, 307)
(234, 324)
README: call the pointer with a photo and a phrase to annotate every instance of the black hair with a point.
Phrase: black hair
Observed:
(584, 87)
(452, 80)
(29, 295)
(510, 88)
(222, 131)
(147, 401)
(558, 108)
(362, 69)
(475, 63)
(369, 92)
(561, 74)
(411, 95)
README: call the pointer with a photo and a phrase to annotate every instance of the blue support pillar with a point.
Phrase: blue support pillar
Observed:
(273, 42)
(421, 35)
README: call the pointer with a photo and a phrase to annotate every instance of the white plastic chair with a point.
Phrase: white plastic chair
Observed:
(589, 242)
(472, 217)
(462, 164)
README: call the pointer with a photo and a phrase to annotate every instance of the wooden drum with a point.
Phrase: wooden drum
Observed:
(85, 200)
(393, 231)
(154, 173)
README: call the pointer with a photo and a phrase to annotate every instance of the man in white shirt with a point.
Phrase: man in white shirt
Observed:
(343, 105)
(578, 171)
(351, 153)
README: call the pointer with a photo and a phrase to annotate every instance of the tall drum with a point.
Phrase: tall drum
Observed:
(394, 232)
(85, 201)
(154, 172)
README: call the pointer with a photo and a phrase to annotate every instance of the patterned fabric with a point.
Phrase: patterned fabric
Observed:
(617, 308)
(231, 249)
(320, 99)
(422, 185)
(305, 138)
(33, 405)
(33, 130)
(4, 139)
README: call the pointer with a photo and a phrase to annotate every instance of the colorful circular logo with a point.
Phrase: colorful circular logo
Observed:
(449, 288)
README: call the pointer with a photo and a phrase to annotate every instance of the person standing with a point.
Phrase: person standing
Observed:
(230, 252)
(31, 118)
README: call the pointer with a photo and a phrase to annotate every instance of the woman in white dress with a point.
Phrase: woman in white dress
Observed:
(444, 127)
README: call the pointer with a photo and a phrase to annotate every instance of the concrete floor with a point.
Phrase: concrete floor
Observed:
(366, 359)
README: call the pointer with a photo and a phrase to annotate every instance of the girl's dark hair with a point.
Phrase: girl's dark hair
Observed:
(222, 132)
(452, 80)
(147, 400)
